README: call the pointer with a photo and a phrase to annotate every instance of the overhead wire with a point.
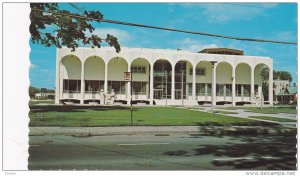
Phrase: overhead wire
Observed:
(167, 29)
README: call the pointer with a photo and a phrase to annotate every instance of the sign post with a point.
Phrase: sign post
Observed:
(128, 77)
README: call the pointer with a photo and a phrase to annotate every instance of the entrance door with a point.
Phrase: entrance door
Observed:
(158, 94)
(178, 94)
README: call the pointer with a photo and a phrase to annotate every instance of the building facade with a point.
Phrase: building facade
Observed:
(285, 92)
(160, 77)
(280, 85)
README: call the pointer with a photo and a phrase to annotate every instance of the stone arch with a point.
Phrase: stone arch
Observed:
(162, 79)
(70, 78)
(94, 68)
(224, 81)
(115, 75)
(71, 67)
(183, 79)
(243, 80)
(261, 80)
(140, 68)
(94, 76)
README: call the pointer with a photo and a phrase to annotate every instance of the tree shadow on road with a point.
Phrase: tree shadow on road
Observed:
(250, 152)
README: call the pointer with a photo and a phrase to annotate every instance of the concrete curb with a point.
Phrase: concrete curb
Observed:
(162, 130)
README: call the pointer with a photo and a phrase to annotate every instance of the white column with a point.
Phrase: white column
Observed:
(224, 91)
(213, 86)
(151, 84)
(82, 84)
(105, 78)
(57, 85)
(173, 83)
(129, 86)
(194, 83)
(206, 92)
(242, 92)
(252, 94)
(61, 82)
(233, 87)
(271, 85)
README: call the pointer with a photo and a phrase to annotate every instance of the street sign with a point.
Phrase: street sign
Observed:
(127, 76)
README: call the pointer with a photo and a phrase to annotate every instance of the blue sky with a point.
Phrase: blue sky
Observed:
(273, 21)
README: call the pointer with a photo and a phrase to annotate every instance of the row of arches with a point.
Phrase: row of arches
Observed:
(165, 75)
(100, 59)
(96, 67)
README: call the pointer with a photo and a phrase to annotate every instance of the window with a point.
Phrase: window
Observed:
(73, 86)
(199, 71)
(138, 69)
(246, 90)
(200, 89)
(190, 89)
(139, 88)
(238, 90)
(228, 88)
(220, 89)
(255, 88)
(208, 89)
(117, 86)
(93, 86)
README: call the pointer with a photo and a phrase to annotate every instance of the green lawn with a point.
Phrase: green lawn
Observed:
(120, 116)
(273, 119)
(268, 110)
(274, 110)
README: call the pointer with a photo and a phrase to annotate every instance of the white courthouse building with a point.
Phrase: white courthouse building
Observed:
(160, 77)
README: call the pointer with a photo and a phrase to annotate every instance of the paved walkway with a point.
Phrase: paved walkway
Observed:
(242, 113)
(77, 131)
(157, 130)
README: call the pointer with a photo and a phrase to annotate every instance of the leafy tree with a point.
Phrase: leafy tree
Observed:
(283, 75)
(44, 90)
(51, 26)
(265, 73)
(33, 91)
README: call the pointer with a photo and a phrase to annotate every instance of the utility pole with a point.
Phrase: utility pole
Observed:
(131, 97)
(182, 85)
(166, 88)
(261, 93)
(212, 85)
(127, 76)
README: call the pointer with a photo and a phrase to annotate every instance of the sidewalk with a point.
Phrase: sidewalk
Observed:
(160, 130)
(112, 130)
(241, 113)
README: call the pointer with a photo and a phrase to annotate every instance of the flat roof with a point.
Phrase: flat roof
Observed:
(227, 51)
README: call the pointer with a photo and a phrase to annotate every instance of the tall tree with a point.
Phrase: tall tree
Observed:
(283, 75)
(51, 26)
(32, 91)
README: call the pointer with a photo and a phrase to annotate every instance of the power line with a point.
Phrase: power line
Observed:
(167, 29)
(80, 9)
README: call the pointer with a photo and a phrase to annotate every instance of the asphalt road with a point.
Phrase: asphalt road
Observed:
(150, 152)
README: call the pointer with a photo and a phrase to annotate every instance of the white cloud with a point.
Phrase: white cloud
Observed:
(285, 36)
(193, 45)
(32, 66)
(122, 35)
